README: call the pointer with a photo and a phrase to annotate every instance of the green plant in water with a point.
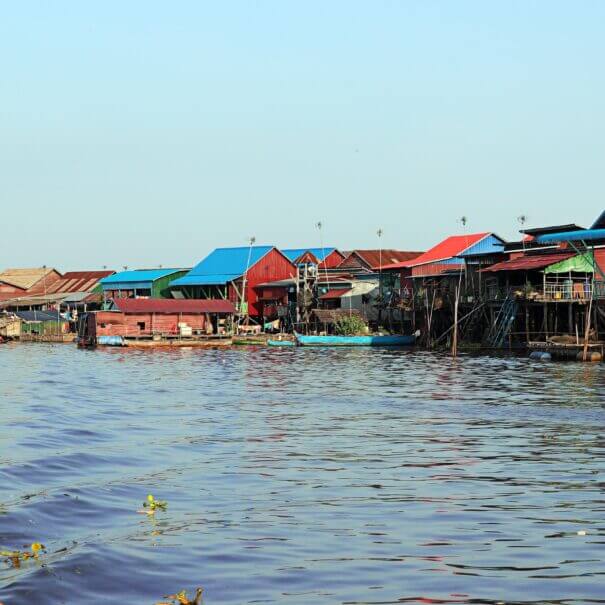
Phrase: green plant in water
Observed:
(350, 325)
(152, 504)
(16, 556)
(182, 599)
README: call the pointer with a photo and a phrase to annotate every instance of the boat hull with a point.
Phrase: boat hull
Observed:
(355, 341)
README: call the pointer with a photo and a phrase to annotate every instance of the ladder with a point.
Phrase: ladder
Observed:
(503, 323)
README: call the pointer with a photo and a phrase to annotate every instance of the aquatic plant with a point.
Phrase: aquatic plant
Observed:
(16, 556)
(182, 599)
(151, 505)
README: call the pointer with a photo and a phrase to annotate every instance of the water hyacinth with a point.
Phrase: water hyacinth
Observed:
(151, 505)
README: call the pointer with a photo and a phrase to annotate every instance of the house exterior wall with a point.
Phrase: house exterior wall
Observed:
(117, 323)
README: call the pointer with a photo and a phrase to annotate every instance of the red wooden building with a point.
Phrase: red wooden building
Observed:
(234, 274)
(159, 317)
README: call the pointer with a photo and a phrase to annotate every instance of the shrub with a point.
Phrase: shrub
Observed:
(350, 325)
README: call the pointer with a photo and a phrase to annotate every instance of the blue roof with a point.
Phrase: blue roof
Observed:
(488, 245)
(320, 253)
(138, 275)
(218, 279)
(571, 236)
(222, 266)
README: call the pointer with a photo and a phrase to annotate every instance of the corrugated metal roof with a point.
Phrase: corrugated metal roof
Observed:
(319, 253)
(388, 256)
(138, 275)
(38, 316)
(450, 247)
(492, 244)
(529, 263)
(24, 278)
(72, 281)
(223, 265)
(204, 280)
(335, 293)
(168, 305)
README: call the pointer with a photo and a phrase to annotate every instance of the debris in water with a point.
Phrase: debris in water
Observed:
(182, 599)
(16, 556)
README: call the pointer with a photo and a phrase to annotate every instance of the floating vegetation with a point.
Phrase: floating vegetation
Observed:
(14, 557)
(182, 599)
(151, 505)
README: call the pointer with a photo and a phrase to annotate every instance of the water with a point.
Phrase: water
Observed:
(300, 476)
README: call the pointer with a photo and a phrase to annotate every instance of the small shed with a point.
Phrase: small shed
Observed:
(42, 323)
(140, 283)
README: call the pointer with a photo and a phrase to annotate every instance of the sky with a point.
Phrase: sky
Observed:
(143, 133)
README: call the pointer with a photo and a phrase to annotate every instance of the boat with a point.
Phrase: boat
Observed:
(395, 340)
(281, 343)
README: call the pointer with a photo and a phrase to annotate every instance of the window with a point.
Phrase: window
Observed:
(141, 325)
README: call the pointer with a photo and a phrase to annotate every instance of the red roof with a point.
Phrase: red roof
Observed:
(173, 305)
(72, 281)
(335, 293)
(528, 263)
(450, 247)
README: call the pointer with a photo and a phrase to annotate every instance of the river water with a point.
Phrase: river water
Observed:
(300, 476)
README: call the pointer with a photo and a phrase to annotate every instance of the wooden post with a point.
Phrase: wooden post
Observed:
(455, 337)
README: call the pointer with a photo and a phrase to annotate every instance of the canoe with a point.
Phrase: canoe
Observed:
(397, 340)
(281, 343)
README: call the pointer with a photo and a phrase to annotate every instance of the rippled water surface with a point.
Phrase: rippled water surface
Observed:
(300, 476)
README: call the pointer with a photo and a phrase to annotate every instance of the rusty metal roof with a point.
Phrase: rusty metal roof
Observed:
(374, 259)
(24, 278)
(72, 281)
(169, 305)
(530, 262)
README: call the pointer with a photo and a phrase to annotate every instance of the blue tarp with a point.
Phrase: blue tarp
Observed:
(222, 266)
(587, 235)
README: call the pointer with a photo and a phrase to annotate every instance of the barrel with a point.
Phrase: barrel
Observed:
(593, 356)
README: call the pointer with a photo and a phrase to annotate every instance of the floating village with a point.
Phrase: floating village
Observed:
(543, 295)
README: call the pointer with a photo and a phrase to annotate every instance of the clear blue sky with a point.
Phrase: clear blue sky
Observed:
(139, 133)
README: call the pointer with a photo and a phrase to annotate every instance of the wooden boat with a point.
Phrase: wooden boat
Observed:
(281, 343)
(396, 340)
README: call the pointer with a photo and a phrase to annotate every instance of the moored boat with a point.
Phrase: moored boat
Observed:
(281, 343)
(392, 340)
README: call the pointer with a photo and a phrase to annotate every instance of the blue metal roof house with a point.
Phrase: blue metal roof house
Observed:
(152, 283)
(221, 273)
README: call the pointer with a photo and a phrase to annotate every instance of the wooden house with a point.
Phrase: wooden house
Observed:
(16, 282)
(236, 275)
(140, 283)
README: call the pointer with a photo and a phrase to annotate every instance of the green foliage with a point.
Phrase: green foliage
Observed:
(350, 325)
